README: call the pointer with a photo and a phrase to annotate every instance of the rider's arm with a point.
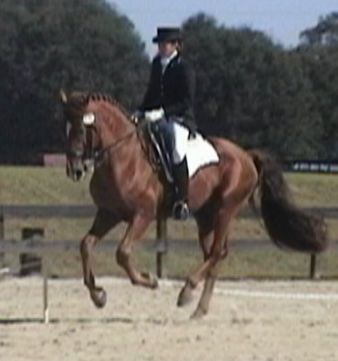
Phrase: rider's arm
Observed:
(186, 87)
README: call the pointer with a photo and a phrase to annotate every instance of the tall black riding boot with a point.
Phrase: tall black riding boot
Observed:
(181, 178)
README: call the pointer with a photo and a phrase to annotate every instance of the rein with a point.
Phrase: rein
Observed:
(99, 154)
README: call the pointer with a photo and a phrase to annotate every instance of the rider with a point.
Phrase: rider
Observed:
(170, 99)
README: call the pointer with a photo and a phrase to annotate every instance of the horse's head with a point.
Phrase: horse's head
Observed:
(80, 134)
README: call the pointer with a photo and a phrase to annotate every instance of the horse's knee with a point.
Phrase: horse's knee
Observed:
(217, 255)
(86, 244)
(83, 246)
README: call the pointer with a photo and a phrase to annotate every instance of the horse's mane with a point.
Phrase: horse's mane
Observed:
(78, 101)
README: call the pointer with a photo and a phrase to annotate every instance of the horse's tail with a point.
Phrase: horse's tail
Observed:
(287, 225)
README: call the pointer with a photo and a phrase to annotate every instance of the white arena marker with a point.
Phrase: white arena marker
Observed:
(264, 294)
(278, 295)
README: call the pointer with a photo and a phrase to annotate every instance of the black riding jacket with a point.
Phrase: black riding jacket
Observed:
(173, 90)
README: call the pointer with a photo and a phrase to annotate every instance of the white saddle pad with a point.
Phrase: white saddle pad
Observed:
(200, 153)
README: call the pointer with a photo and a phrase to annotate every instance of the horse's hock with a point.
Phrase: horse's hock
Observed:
(30, 263)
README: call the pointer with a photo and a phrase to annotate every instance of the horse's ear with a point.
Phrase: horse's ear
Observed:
(63, 96)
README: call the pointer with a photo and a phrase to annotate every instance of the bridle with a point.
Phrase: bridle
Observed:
(92, 155)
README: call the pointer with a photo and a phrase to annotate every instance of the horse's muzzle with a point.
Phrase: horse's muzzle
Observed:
(75, 170)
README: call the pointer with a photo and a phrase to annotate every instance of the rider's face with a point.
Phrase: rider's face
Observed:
(166, 48)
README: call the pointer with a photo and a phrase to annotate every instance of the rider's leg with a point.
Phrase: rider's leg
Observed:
(180, 170)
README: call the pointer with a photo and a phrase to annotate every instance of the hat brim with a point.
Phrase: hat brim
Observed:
(159, 39)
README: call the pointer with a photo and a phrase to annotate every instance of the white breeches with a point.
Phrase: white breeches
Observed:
(181, 136)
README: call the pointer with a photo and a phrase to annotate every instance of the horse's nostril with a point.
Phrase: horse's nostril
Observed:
(78, 174)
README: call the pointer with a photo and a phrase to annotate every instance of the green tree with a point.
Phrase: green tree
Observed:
(73, 44)
(319, 51)
(250, 89)
(325, 33)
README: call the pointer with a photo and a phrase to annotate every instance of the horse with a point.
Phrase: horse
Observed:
(125, 187)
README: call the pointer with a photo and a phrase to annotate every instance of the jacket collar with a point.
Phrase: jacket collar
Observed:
(167, 60)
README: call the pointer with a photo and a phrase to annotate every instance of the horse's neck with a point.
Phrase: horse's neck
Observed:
(119, 139)
(115, 127)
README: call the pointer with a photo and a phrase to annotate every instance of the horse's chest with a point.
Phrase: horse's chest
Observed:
(104, 193)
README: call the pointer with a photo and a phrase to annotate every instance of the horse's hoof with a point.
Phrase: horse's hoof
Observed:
(152, 281)
(185, 296)
(99, 297)
(198, 313)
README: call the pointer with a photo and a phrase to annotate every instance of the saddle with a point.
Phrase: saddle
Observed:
(200, 153)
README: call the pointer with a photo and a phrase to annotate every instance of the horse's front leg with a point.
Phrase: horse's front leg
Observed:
(135, 230)
(104, 221)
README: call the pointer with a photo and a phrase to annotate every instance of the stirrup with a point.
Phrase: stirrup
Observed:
(181, 210)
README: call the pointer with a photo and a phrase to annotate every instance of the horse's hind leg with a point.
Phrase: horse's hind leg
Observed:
(104, 221)
(209, 283)
(217, 254)
(209, 268)
(205, 225)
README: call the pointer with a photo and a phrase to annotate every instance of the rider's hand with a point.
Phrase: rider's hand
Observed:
(136, 116)
(154, 115)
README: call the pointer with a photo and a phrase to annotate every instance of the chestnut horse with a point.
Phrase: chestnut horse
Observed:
(125, 187)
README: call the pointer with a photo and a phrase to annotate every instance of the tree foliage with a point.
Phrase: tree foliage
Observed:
(319, 50)
(249, 89)
(325, 33)
(46, 45)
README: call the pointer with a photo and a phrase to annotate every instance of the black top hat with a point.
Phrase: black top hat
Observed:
(167, 34)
